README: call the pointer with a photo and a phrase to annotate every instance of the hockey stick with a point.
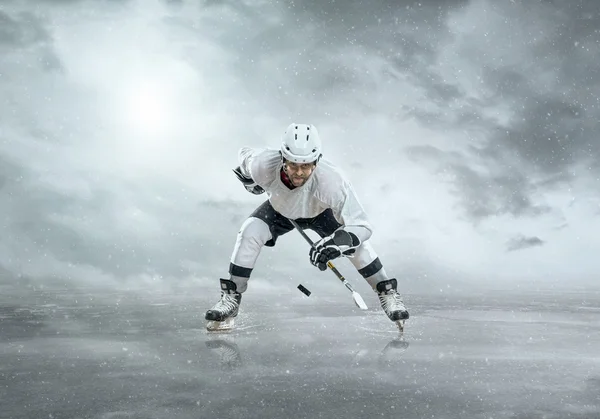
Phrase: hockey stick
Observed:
(356, 296)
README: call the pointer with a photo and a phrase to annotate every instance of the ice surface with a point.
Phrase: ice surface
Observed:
(147, 355)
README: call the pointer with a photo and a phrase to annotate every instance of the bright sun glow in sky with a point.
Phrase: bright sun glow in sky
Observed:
(147, 109)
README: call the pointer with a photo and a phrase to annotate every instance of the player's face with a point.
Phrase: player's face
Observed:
(298, 172)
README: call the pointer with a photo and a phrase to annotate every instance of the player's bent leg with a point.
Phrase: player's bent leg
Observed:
(367, 263)
(252, 236)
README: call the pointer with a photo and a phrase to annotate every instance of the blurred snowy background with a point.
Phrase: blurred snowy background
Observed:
(468, 127)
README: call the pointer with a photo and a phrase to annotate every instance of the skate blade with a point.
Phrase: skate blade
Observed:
(225, 325)
(400, 324)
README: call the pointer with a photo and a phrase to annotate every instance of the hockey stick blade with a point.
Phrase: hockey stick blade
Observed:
(359, 301)
(356, 296)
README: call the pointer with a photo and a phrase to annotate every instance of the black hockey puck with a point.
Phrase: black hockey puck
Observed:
(304, 290)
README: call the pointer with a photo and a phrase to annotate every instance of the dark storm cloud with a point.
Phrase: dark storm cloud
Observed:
(25, 33)
(506, 198)
(553, 93)
(320, 51)
(480, 195)
(10, 173)
(523, 242)
(21, 30)
(404, 35)
(555, 130)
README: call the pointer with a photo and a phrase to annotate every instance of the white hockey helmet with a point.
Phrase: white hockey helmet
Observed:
(301, 144)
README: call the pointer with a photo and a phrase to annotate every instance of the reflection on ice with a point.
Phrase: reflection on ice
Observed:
(228, 354)
(227, 351)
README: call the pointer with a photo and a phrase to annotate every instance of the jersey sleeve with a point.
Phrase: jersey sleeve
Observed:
(257, 163)
(245, 157)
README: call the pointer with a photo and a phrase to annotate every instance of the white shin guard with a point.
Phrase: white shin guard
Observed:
(363, 257)
(252, 236)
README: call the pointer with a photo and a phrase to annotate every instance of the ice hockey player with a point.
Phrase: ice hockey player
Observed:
(302, 186)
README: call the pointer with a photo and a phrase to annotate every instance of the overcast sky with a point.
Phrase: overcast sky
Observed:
(469, 129)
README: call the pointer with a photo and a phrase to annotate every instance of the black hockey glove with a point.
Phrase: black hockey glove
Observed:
(340, 243)
(250, 185)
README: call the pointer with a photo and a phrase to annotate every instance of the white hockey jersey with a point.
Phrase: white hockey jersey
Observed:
(327, 187)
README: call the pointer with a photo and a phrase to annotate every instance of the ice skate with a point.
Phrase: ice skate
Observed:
(391, 302)
(221, 316)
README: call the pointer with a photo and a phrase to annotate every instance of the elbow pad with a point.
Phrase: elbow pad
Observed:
(249, 183)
